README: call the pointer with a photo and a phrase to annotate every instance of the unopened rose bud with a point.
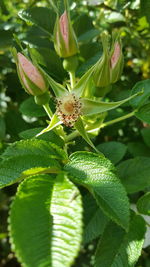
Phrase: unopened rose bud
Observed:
(109, 68)
(30, 77)
(117, 61)
(65, 41)
(101, 73)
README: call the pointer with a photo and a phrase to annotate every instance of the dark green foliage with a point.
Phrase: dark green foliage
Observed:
(135, 174)
(108, 149)
(66, 207)
(124, 248)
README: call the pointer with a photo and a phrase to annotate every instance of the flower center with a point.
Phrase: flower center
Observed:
(68, 109)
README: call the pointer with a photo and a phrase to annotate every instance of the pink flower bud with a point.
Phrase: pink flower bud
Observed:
(116, 55)
(64, 28)
(116, 62)
(65, 41)
(109, 67)
(30, 76)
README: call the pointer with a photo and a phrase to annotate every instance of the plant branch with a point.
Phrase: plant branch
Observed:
(72, 79)
(71, 136)
(118, 119)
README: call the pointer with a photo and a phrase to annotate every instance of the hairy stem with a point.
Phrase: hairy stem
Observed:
(48, 110)
(72, 79)
(71, 136)
(118, 119)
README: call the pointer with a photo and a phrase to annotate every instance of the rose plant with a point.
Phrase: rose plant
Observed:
(67, 198)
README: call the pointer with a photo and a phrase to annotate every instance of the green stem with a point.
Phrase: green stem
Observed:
(48, 110)
(118, 119)
(72, 79)
(71, 136)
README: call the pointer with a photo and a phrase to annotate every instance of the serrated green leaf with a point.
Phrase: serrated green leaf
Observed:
(34, 147)
(143, 204)
(49, 220)
(14, 169)
(35, 15)
(97, 174)
(94, 219)
(117, 249)
(135, 174)
(30, 222)
(36, 37)
(49, 136)
(36, 156)
(109, 245)
(112, 150)
(67, 219)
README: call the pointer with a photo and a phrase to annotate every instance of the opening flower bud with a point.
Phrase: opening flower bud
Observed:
(65, 41)
(30, 77)
(68, 109)
(109, 67)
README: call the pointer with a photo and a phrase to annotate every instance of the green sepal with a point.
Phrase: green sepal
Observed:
(82, 84)
(53, 124)
(81, 129)
(102, 76)
(91, 107)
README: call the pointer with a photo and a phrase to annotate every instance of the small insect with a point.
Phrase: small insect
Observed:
(75, 194)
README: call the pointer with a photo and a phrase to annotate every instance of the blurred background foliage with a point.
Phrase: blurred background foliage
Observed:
(21, 118)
